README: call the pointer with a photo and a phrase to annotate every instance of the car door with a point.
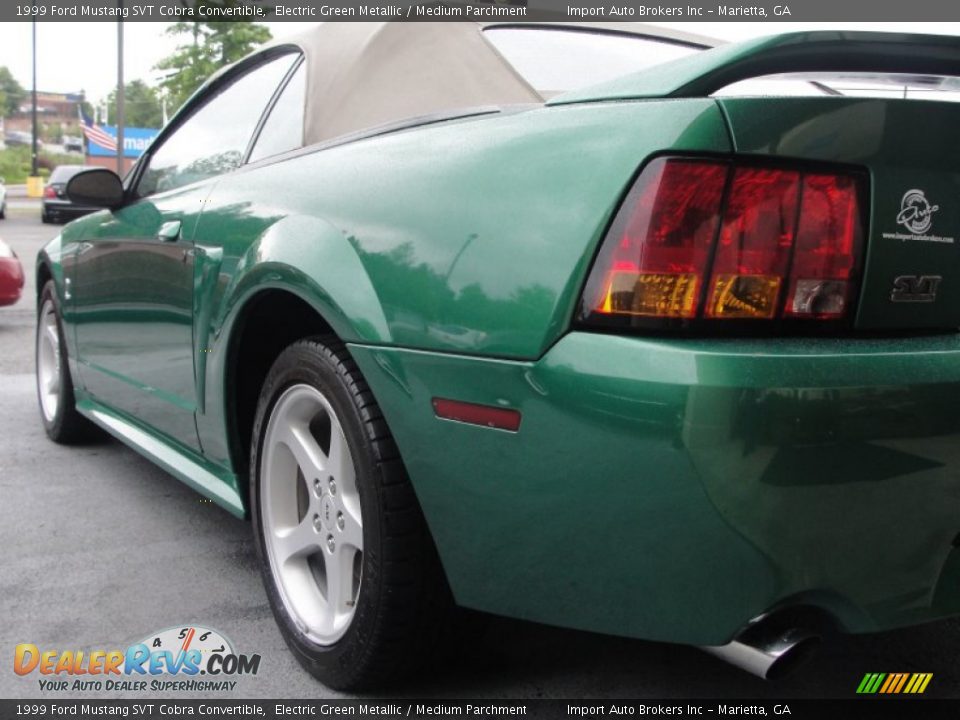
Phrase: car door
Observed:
(137, 267)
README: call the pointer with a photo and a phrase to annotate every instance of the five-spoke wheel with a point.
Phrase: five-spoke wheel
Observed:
(312, 519)
(349, 568)
(54, 385)
(48, 361)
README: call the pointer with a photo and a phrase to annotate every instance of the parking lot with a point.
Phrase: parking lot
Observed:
(98, 548)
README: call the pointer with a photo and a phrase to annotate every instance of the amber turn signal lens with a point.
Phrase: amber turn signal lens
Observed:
(744, 296)
(652, 294)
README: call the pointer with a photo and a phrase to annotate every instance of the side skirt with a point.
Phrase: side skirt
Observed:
(206, 478)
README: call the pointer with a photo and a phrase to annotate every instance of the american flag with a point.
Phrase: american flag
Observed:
(96, 134)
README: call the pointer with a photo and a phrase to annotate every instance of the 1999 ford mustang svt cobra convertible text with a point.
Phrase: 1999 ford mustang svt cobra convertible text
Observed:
(462, 315)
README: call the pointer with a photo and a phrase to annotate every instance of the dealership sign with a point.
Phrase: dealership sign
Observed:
(135, 141)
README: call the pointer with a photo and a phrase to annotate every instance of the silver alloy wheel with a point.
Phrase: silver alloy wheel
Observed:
(311, 518)
(48, 361)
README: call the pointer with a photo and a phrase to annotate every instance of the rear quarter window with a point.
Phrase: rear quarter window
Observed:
(283, 129)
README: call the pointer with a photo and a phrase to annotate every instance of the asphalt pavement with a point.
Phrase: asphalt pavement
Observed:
(99, 548)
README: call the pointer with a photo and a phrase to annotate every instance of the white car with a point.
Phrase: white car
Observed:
(3, 199)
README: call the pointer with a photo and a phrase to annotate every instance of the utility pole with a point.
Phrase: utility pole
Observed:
(120, 114)
(34, 165)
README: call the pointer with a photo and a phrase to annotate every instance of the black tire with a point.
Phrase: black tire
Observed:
(66, 426)
(404, 605)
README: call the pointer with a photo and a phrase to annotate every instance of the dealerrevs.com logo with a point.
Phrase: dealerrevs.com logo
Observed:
(184, 659)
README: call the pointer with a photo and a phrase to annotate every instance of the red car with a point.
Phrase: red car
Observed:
(11, 275)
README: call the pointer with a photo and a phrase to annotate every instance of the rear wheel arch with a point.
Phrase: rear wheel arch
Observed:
(400, 609)
(255, 342)
(267, 323)
(44, 275)
(302, 277)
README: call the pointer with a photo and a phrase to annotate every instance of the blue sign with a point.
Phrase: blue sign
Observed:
(135, 141)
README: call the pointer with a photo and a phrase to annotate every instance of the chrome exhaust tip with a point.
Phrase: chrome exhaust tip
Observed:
(767, 652)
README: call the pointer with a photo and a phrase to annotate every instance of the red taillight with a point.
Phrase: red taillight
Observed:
(657, 259)
(49, 192)
(712, 240)
(753, 251)
(828, 244)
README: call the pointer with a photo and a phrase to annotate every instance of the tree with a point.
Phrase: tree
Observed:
(51, 132)
(12, 93)
(208, 46)
(141, 106)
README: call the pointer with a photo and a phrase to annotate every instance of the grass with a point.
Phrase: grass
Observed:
(15, 163)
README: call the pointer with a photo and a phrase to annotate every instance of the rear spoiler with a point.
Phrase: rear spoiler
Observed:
(702, 74)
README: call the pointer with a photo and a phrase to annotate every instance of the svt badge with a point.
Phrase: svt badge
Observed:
(915, 288)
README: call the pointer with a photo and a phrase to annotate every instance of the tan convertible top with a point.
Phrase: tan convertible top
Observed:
(361, 75)
(366, 74)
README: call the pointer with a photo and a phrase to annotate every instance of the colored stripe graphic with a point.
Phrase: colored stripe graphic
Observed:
(903, 680)
(894, 683)
(892, 678)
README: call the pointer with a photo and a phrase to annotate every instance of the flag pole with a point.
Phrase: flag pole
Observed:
(120, 97)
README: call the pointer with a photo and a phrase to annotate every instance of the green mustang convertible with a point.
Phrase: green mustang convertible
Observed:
(586, 326)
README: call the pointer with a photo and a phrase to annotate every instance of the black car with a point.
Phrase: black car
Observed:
(57, 207)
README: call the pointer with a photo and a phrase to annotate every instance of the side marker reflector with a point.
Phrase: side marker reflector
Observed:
(473, 414)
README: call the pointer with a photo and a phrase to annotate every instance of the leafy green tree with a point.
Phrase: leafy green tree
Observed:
(51, 132)
(206, 47)
(86, 106)
(141, 106)
(12, 93)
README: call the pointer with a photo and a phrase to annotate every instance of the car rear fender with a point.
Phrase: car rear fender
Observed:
(312, 259)
(305, 257)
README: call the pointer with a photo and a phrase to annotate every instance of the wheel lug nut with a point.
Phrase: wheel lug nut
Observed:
(318, 487)
(340, 521)
(333, 486)
(317, 524)
(331, 543)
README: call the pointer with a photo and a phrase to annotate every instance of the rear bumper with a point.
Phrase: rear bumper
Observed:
(57, 211)
(675, 490)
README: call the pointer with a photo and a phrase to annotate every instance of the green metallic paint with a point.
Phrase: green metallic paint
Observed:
(387, 251)
(279, 260)
(392, 252)
(651, 474)
(430, 244)
(134, 312)
(207, 264)
(896, 142)
(648, 474)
